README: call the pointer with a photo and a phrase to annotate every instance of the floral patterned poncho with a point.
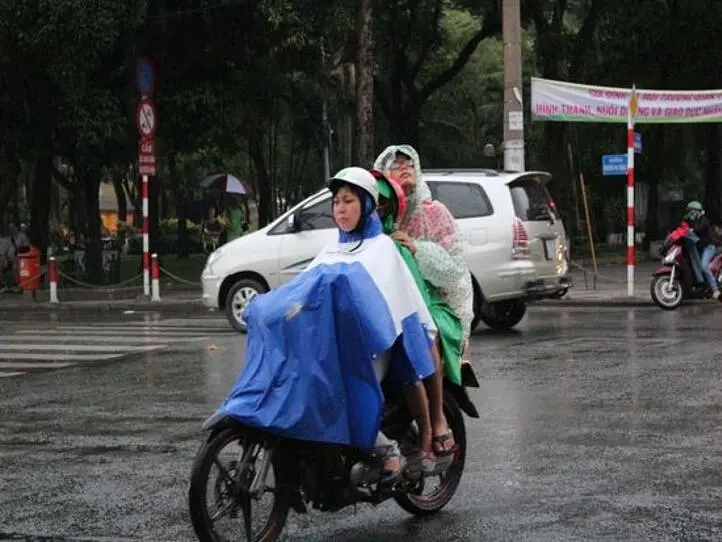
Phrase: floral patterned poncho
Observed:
(439, 245)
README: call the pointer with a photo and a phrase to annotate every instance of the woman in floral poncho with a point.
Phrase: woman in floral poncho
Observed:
(429, 231)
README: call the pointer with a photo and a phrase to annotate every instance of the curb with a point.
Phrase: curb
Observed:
(179, 306)
(609, 302)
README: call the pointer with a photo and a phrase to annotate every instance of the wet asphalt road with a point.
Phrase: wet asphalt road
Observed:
(597, 424)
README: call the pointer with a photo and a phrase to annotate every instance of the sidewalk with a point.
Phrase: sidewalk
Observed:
(175, 300)
(610, 291)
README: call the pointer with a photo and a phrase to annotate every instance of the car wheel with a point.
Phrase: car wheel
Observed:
(238, 298)
(503, 315)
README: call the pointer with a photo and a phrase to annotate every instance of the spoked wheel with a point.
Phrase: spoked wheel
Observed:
(234, 493)
(435, 492)
(666, 293)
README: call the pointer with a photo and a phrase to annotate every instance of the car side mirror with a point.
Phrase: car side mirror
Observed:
(294, 222)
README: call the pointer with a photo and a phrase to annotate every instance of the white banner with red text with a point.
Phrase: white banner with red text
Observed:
(572, 102)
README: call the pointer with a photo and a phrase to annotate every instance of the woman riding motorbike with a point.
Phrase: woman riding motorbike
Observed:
(430, 232)
(319, 345)
(392, 204)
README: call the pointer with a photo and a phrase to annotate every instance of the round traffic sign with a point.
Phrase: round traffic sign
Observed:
(146, 119)
(145, 76)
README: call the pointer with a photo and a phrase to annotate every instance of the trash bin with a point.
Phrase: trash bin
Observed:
(28, 269)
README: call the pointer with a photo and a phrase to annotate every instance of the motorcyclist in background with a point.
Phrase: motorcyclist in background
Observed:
(698, 243)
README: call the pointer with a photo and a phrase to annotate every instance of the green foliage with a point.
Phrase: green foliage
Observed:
(236, 76)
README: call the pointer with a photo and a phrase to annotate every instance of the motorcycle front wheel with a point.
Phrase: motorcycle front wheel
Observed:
(667, 294)
(220, 504)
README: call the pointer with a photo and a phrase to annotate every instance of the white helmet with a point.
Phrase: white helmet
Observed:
(360, 177)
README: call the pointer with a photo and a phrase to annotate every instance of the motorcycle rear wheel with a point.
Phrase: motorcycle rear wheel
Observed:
(427, 505)
(665, 294)
(198, 494)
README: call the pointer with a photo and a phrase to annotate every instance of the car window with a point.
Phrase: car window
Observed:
(464, 200)
(314, 217)
(532, 201)
(317, 216)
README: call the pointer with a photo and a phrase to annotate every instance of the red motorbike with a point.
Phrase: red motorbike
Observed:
(673, 281)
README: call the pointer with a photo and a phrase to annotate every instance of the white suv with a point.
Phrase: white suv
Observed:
(516, 246)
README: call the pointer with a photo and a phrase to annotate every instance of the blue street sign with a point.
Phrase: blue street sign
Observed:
(145, 77)
(637, 143)
(614, 164)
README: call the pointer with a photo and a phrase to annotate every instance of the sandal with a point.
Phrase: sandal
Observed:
(441, 444)
(393, 463)
(427, 462)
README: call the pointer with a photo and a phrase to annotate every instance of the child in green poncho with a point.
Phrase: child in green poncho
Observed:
(450, 329)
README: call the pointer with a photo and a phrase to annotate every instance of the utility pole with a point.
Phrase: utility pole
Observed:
(324, 118)
(364, 145)
(513, 106)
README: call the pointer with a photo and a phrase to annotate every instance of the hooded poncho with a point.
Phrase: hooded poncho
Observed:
(312, 343)
(439, 245)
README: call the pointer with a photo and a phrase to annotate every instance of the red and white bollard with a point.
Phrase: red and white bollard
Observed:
(155, 278)
(53, 278)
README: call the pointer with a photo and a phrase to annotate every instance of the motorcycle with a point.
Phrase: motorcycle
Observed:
(295, 474)
(673, 281)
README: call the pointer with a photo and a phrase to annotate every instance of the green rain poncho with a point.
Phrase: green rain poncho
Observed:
(449, 325)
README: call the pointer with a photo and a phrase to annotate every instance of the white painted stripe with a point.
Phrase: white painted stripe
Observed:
(208, 322)
(630, 196)
(30, 356)
(5, 375)
(37, 365)
(145, 207)
(109, 334)
(79, 347)
(630, 157)
(103, 339)
(630, 236)
(222, 326)
(131, 327)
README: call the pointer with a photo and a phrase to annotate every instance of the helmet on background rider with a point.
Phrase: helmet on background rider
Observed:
(694, 211)
(392, 200)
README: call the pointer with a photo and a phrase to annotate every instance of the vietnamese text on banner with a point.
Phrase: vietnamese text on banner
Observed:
(572, 102)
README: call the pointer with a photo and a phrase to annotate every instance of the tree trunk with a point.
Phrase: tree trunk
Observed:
(40, 206)
(556, 162)
(364, 147)
(183, 249)
(255, 149)
(120, 198)
(712, 173)
(406, 124)
(93, 254)
(656, 170)
(10, 170)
